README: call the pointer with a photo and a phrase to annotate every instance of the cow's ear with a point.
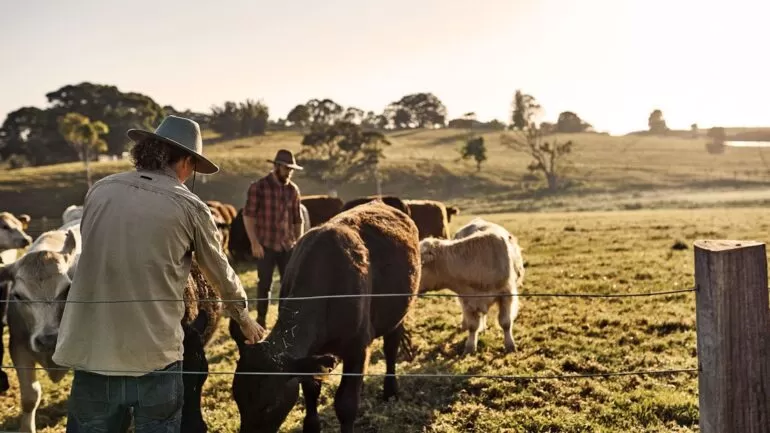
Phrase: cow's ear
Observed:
(70, 244)
(427, 251)
(25, 219)
(318, 364)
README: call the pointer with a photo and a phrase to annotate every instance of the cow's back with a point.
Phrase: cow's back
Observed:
(371, 250)
(391, 237)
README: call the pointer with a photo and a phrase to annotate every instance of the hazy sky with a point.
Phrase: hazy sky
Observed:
(611, 61)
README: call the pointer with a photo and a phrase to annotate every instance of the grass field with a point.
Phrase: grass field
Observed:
(588, 252)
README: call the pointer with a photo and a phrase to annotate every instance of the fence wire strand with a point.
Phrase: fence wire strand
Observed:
(413, 375)
(366, 295)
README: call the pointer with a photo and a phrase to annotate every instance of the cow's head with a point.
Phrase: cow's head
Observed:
(265, 400)
(12, 234)
(41, 280)
(450, 212)
(430, 248)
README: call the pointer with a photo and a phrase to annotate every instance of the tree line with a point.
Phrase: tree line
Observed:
(34, 136)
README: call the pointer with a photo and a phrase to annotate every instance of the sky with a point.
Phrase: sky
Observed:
(610, 61)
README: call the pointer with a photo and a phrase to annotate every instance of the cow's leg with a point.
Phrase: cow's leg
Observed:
(472, 320)
(194, 360)
(505, 318)
(482, 323)
(348, 393)
(31, 392)
(391, 343)
(311, 390)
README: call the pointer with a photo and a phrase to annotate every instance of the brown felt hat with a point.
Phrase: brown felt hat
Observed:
(286, 157)
(182, 133)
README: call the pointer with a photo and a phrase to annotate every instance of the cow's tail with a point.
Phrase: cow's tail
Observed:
(406, 346)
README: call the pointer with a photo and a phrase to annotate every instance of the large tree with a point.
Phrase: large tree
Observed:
(118, 110)
(32, 134)
(525, 108)
(341, 152)
(422, 110)
(324, 111)
(657, 123)
(570, 122)
(85, 136)
(299, 115)
(240, 119)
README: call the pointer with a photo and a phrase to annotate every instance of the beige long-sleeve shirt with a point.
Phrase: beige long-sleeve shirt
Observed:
(138, 231)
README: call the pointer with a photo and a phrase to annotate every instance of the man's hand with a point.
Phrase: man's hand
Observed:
(257, 250)
(251, 330)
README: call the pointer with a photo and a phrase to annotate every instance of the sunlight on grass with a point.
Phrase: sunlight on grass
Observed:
(596, 252)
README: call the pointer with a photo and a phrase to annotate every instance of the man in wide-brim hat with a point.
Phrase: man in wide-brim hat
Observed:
(139, 229)
(273, 223)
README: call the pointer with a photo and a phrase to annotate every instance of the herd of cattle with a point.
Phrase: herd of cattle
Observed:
(358, 249)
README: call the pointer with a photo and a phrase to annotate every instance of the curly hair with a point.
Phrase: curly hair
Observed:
(153, 154)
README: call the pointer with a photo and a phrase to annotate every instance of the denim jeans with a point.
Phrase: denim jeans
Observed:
(100, 404)
(265, 267)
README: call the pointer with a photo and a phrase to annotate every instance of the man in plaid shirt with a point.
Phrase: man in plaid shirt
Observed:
(273, 223)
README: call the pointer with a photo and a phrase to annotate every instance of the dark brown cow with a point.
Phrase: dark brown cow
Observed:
(321, 208)
(238, 244)
(431, 217)
(372, 249)
(389, 200)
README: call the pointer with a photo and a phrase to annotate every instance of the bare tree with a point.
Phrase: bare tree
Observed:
(548, 157)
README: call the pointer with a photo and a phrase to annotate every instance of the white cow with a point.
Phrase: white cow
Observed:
(485, 259)
(12, 235)
(43, 275)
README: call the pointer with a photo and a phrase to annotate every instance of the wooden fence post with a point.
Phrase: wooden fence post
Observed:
(732, 323)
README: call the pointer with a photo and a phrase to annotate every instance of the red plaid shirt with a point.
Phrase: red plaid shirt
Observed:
(276, 208)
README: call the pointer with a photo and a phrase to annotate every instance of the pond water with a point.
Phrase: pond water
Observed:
(747, 143)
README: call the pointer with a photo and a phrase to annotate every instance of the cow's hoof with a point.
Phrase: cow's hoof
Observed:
(390, 390)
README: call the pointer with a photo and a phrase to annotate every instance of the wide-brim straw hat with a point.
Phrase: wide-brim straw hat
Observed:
(182, 133)
(286, 157)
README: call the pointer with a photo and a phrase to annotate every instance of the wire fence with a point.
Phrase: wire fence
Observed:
(668, 371)
(367, 374)
(366, 295)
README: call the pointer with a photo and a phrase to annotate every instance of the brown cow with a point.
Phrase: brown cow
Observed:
(431, 217)
(321, 208)
(372, 249)
(238, 243)
(451, 211)
(389, 200)
(222, 220)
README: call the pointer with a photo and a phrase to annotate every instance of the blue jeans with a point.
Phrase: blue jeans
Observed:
(100, 404)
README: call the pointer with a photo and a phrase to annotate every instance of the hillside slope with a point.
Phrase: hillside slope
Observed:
(606, 173)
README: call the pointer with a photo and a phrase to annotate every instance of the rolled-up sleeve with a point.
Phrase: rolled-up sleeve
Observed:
(252, 201)
(214, 264)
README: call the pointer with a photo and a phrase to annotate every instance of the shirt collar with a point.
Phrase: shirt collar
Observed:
(166, 171)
